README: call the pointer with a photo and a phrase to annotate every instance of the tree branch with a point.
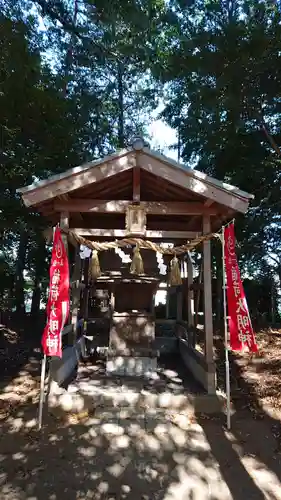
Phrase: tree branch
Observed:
(268, 135)
(68, 25)
(272, 142)
(277, 261)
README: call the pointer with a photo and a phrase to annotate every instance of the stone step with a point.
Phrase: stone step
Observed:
(88, 396)
(132, 365)
(84, 394)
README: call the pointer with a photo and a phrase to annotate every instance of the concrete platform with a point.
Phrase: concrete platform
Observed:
(170, 388)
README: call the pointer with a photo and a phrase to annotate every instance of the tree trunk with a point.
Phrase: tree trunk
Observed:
(121, 139)
(39, 271)
(273, 305)
(19, 279)
(36, 297)
(179, 143)
(279, 275)
(69, 53)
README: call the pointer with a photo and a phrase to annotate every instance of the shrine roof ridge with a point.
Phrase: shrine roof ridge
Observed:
(146, 151)
(198, 174)
(73, 171)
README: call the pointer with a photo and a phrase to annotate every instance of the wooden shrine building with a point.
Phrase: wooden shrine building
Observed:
(139, 199)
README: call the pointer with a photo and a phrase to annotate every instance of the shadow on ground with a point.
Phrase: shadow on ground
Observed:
(17, 346)
(250, 454)
(115, 455)
(120, 454)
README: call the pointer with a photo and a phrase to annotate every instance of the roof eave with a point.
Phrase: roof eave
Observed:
(200, 175)
(71, 171)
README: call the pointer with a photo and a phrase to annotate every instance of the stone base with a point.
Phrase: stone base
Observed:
(131, 366)
(87, 396)
(204, 373)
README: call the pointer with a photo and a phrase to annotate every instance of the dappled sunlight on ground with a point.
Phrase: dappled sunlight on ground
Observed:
(130, 453)
(108, 456)
(115, 454)
(20, 390)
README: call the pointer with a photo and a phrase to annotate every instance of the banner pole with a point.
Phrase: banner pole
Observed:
(42, 391)
(227, 373)
(42, 380)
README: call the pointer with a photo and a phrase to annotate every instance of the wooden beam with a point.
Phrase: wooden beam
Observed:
(78, 178)
(208, 203)
(119, 206)
(65, 198)
(184, 179)
(192, 220)
(150, 234)
(136, 184)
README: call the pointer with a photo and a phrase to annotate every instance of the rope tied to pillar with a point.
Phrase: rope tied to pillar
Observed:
(145, 244)
(174, 277)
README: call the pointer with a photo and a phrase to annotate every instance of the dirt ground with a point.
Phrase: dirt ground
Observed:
(168, 456)
(256, 379)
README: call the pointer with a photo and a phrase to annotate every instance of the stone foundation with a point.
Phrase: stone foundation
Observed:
(131, 366)
(204, 373)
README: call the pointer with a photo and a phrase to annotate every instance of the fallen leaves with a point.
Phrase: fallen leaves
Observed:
(255, 380)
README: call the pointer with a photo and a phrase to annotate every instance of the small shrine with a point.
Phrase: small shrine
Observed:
(124, 219)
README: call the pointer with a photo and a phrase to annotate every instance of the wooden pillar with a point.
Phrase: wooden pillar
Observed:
(208, 314)
(76, 290)
(136, 184)
(112, 300)
(168, 302)
(85, 306)
(85, 303)
(153, 305)
(190, 293)
(179, 303)
(64, 224)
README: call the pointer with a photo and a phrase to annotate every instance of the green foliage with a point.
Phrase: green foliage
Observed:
(77, 89)
(79, 79)
(223, 95)
(38, 136)
(105, 62)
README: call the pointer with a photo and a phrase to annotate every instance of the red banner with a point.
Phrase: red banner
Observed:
(240, 326)
(58, 301)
